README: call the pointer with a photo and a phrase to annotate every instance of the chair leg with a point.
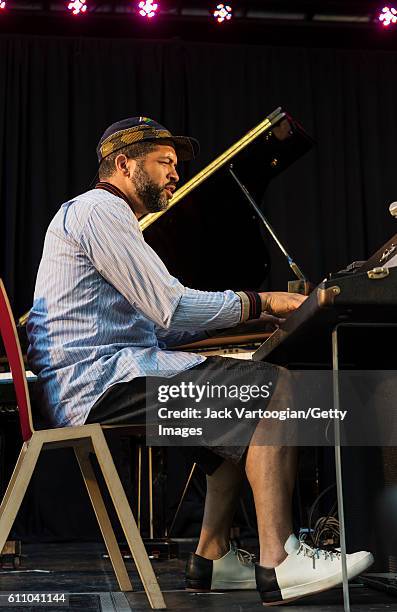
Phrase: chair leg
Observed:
(82, 455)
(17, 486)
(127, 522)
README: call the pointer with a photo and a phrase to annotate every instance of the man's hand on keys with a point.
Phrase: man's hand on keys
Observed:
(281, 303)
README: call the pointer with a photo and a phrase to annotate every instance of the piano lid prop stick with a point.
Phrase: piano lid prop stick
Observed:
(294, 266)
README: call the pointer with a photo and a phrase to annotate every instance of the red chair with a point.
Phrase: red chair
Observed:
(84, 440)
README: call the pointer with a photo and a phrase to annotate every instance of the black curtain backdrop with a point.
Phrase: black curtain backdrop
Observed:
(59, 94)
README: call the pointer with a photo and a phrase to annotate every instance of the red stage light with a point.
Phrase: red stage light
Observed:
(77, 7)
(148, 8)
(388, 16)
(223, 12)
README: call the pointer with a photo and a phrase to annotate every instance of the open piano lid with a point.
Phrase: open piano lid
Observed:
(214, 241)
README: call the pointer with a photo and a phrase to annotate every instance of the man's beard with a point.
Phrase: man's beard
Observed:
(151, 195)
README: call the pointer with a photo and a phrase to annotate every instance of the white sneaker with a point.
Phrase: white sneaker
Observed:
(305, 571)
(233, 571)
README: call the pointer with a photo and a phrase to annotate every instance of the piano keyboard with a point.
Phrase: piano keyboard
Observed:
(229, 351)
(6, 377)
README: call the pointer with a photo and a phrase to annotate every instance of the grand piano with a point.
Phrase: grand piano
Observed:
(210, 219)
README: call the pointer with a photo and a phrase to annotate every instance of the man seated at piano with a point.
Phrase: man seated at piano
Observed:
(106, 309)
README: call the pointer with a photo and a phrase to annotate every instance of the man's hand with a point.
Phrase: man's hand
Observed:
(281, 303)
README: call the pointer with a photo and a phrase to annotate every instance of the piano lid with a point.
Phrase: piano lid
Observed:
(214, 240)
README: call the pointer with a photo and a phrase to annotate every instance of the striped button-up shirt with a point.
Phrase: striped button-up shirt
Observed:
(106, 308)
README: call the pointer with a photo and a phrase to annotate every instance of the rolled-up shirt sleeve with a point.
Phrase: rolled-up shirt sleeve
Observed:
(112, 240)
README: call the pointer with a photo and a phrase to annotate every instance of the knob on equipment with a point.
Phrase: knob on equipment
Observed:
(393, 209)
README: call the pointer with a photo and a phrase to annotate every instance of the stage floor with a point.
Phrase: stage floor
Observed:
(81, 572)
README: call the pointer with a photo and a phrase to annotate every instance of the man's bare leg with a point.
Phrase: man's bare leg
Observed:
(223, 489)
(271, 472)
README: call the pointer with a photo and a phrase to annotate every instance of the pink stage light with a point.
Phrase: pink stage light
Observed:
(223, 12)
(77, 7)
(388, 16)
(148, 9)
(2, 4)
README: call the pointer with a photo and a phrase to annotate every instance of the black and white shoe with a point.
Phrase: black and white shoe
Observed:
(306, 571)
(234, 571)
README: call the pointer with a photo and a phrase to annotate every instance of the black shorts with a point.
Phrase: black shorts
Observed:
(128, 403)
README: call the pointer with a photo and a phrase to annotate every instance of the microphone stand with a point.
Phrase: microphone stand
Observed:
(302, 285)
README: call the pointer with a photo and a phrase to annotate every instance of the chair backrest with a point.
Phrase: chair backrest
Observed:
(14, 355)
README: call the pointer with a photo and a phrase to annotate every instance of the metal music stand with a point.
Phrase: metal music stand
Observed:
(338, 458)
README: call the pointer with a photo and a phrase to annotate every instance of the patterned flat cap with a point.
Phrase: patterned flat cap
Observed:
(138, 129)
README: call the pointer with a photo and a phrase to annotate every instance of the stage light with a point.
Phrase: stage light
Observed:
(388, 16)
(223, 12)
(2, 4)
(148, 8)
(77, 7)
